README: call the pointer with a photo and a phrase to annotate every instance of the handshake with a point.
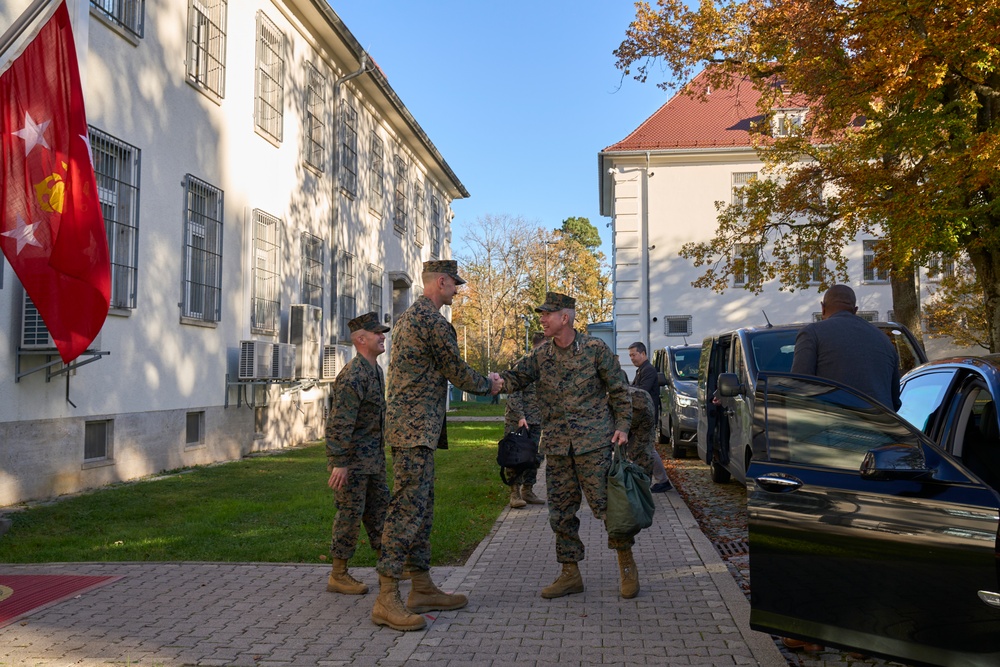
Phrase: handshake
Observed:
(496, 383)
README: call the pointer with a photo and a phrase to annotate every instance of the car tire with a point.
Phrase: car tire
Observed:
(720, 475)
(677, 449)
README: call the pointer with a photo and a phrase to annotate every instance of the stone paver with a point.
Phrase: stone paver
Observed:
(690, 610)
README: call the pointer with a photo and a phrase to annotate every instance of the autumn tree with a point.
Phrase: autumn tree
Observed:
(957, 309)
(900, 139)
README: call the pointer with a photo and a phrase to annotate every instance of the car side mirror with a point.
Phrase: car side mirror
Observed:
(894, 462)
(662, 379)
(729, 384)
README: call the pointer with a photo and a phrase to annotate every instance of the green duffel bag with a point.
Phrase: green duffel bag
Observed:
(630, 502)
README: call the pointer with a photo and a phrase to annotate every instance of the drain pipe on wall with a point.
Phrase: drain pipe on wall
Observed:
(645, 256)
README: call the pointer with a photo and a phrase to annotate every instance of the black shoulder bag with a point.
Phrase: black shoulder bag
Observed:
(516, 451)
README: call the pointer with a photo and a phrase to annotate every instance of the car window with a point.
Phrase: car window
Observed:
(922, 397)
(818, 424)
(686, 363)
(772, 351)
(909, 357)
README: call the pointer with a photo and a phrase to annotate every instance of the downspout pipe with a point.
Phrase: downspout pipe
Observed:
(645, 256)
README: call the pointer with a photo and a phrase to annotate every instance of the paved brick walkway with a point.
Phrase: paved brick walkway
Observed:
(689, 612)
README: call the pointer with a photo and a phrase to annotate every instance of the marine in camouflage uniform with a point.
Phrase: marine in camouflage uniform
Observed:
(425, 356)
(585, 409)
(642, 436)
(523, 411)
(355, 451)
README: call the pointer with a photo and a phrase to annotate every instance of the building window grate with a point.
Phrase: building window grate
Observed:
(206, 61)
(348, 302)
(399, 202)
(127, 14)
(265, 300)
(349, 150)
(270, 98)
(677, 325)
(203, 251)
(315, 129)
(376, 189)
(312, 270)
(116, 168)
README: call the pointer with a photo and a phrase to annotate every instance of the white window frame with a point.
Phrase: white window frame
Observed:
(206, 42)
(376, 170)
(269, 98)
(871, 274)
(203, 228)
(940, 266)
(128, 15)
(116, 168)
(741, 179)
(349, 149)
(347, 303)
(312, 270)
(435, 227)
(787, 122)
(399, 203)
(743, 250)
(314, 125)
(419, 214)
(375, 280)
(265, 296)
(95, 430)
(686, 320)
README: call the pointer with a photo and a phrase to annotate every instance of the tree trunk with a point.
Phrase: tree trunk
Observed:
(987, 265)
(905, 300)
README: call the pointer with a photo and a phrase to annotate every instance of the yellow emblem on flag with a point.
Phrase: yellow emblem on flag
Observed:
(51, 193)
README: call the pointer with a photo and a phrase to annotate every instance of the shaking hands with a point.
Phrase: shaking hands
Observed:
(496, 383)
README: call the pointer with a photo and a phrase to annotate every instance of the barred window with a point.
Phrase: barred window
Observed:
(315, 129)
(265, 300)
(940, 266)
(677, 325)
(435, 228)
(811, 266)
(399, 203)
(873, 274)
(206, 40)
(270, 86)
(202, 250)
(127, 14)
(349, 150)
(312, 270)
(376, 190)
(375, 289)
(419, 214)
(97, 440)
(116, 167)
(746, 263)
(348, 302)
(740, 180)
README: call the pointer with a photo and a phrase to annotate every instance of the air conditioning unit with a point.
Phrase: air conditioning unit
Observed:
(330, 362)
(34, 333)
(305, 327)
(283, 361)
(256, 360)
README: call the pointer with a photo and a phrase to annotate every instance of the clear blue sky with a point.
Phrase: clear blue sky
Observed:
(518, 96)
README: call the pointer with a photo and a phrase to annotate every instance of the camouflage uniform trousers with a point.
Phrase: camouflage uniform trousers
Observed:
(529, 476)
(406, 538)
(565, 478)
(364, 499)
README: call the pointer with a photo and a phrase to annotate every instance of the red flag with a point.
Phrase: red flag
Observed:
(51, 226)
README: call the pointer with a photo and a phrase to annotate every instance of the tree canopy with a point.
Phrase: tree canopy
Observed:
(899, 140)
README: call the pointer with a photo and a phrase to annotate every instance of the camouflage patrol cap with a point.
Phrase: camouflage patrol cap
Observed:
(555, 301)
(445, 266)
(368, 322)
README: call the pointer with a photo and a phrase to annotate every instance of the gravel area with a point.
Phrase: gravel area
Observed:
(721, 511)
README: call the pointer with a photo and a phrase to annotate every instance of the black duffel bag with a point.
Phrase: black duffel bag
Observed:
(516, 451)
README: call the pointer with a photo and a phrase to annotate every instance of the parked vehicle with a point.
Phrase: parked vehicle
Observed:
(875, 531)
(725, 410)
(679, 397)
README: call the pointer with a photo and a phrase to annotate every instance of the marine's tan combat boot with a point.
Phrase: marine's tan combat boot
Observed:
(425, 596)
(341, 581)
(629, 573)
(515, 497)
(389, 609)
(568, 582)
(528, 495)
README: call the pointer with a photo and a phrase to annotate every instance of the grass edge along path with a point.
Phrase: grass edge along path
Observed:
(275, 508)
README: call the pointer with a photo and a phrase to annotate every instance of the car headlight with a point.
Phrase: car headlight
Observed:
(686, 401)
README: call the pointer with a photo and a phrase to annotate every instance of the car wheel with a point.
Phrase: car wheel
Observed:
(720, 475)
(677, 449)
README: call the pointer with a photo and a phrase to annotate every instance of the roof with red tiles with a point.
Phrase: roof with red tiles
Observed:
(722, 119)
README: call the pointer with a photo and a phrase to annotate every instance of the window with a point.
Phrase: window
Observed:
(348, 303)
(922, 397)
(399, 202)
(376, 191)
(349, 150)
(270, 85)
(419, 215)
(787, 122)
(116, 168)
(264, 299)
(314, 130)
(740, 180)
(195, 427)
(940, 267)
(375, 289)
(206, 40)
(873, 274)
(97, 440)
(870, 315)
(746, 263)
(202, 250)
(811, 266)
(677, 325)
(312, 270)
(127, 14)
(435, 228)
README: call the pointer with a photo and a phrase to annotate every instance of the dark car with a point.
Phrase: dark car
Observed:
(724, 416)
(679, 397)
(876, 531)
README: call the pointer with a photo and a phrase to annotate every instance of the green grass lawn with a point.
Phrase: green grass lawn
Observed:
(274, 508)
(476, 409)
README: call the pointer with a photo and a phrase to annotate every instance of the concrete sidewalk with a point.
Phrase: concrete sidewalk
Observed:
(689, 612)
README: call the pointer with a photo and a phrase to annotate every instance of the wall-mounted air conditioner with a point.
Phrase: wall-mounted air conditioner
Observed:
(256, 360)
(34, 333)
(330, 362)
(283, 361)
(305, 327)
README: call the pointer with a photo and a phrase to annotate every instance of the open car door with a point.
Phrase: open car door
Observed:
(864, 534)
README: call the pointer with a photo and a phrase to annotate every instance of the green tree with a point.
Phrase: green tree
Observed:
(900, 139)
(581, 231)
(957, 309)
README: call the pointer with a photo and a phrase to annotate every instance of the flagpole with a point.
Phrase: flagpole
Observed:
(18, 27)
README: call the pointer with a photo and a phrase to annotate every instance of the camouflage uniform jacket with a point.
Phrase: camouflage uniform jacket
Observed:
(357, 414)
(424, 358)
(580, 392)
(522, 405)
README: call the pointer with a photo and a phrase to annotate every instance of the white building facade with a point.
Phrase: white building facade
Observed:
(660, 186)
(262, 184)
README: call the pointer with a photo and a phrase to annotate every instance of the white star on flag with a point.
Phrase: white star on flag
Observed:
(24, 234)
(33, 133)
(90, 151)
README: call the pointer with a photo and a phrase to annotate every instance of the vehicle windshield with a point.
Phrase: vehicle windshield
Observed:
(773, 350)
(686, 363)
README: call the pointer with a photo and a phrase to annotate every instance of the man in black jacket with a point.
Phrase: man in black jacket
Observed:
(647, 379)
